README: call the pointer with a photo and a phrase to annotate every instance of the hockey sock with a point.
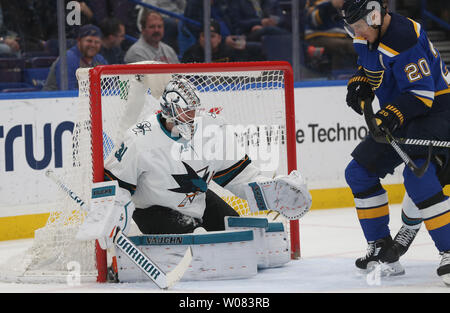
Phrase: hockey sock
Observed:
(426, 192)
(371, 201)
(411, 217)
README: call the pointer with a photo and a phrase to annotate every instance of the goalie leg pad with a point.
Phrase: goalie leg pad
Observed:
(272, 244)
(277, 245)
(110, 207)
(216, 255)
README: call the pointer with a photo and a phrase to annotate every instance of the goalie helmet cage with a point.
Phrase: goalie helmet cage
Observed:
(257, 95)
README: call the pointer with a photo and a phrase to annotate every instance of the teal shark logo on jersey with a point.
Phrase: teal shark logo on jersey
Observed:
(191, 184)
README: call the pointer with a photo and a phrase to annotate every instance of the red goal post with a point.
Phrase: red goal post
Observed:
(97, 97)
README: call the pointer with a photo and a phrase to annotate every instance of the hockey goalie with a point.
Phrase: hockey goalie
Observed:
(167, 161)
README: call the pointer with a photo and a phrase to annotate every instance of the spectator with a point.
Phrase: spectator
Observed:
(86, 10)
(21, 17)
(126, 11)
(243, 50)
(219, 51)
(9, 46)
(113, 34)
(256, 18)
(84, 54)
(8, 41)
(149, 46)
(170, 23)
(325, 29)
(47, 14)
(219, 12)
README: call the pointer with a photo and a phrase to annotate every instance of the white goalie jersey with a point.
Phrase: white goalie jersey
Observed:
(159, 168)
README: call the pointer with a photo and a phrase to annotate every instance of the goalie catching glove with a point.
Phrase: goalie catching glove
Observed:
(287, 195)
(106, 216)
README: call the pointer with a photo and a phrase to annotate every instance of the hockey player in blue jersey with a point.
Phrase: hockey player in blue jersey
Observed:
(399, 65)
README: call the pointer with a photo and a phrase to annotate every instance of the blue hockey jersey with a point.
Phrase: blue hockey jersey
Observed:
(406, 70)
(322, 20)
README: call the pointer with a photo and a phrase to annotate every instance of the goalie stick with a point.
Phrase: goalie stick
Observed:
(384, 136)
(160, 278)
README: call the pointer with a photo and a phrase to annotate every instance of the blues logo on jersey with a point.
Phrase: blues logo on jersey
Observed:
(405, 70)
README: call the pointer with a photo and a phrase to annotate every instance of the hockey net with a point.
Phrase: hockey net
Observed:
(258, 97)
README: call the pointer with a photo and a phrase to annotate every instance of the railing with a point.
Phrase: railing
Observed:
(206, 20)
(296, 7)
(165, 12)
(428, 15)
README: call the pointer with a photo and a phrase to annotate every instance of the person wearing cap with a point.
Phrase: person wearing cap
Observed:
(220, 52)
(84, 54)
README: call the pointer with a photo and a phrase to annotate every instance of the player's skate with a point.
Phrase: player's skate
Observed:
(444, 267)
(403, 239)
(381, 253)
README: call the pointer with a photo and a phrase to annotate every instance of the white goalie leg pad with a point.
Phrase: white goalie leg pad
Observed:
(110, 207)
(258, 226)
(287, 195)
(277, 245)
(272, 245)
(216, 255)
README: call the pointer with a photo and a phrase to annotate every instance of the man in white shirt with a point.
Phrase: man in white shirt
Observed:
(149, 46)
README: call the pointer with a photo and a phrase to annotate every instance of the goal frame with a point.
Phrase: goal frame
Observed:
(96, 120)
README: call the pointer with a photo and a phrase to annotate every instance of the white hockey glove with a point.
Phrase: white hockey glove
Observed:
(107, 215)
(287, 195)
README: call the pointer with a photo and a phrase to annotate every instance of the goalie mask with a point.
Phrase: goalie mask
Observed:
(179, 104)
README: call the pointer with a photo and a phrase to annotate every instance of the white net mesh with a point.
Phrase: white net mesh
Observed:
(55, 255)
(253, 100)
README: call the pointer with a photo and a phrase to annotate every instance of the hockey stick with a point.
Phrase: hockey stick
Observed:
(368, 114)
(150, 269)
(384, 136)
(423, 142)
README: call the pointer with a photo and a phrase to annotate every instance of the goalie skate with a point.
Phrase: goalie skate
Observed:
(381, 252)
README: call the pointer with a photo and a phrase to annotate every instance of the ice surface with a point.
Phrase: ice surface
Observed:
(331, 240)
